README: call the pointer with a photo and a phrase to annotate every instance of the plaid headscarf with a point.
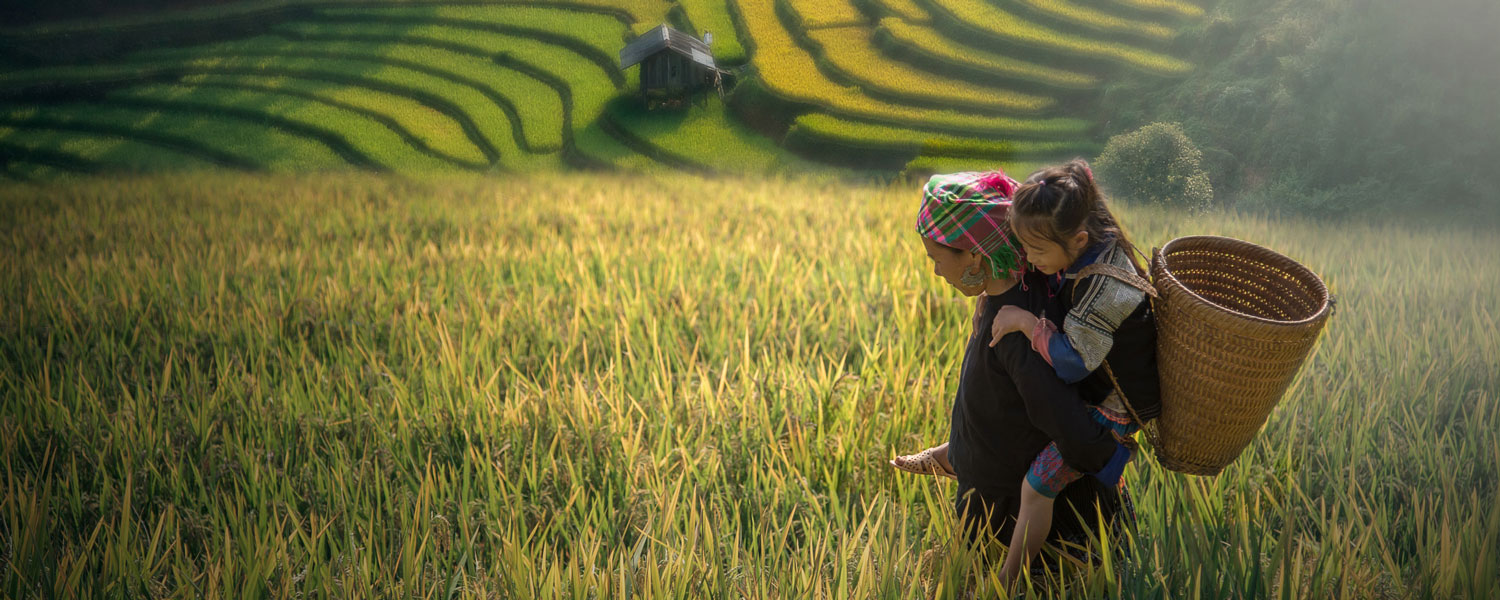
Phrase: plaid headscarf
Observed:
(968, 211)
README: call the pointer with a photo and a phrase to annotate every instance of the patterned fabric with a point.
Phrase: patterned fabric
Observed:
(968, 211)
(1049, 474)
(1102, 303)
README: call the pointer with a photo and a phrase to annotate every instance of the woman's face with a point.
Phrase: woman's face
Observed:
(1046, 255)
(951, 263)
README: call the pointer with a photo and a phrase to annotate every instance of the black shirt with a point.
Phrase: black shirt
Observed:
(1008, 399)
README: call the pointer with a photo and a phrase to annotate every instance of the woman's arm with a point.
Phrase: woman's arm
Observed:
(1055, 407)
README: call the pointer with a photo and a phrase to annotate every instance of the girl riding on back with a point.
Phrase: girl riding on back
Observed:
(1107, 335)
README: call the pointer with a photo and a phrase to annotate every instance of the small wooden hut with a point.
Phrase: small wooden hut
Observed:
(673, 64)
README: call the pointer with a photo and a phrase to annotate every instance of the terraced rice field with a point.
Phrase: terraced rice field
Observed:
(421, 86)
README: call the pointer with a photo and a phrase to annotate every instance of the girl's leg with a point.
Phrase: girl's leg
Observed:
(1033, 523)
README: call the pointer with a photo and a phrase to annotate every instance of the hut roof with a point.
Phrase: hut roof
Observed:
(664, 37)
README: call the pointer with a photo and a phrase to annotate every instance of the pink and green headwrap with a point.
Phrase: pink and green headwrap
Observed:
(968, 211)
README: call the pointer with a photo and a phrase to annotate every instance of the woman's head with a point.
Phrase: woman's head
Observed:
(960, 268)
(1058, 213)
(962, 222)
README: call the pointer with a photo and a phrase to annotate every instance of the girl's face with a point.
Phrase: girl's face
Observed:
(951, 263)
(1046, 255)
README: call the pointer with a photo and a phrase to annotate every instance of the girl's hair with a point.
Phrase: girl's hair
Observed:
(1056, 202)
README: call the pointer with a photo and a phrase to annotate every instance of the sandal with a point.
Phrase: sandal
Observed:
(922, 463)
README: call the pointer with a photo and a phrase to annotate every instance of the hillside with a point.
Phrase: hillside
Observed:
(854, 86)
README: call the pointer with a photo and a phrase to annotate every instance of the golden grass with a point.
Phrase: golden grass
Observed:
(561, 386)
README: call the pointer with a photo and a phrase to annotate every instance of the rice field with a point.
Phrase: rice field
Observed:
(1005, 27)
(851, 52)
(1070, 12)
(349, 385)
(424, 85)
(950, 54)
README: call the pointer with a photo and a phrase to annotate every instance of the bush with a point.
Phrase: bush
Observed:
(1156, 164)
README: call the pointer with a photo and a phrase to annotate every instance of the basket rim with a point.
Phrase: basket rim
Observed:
(1299, 268)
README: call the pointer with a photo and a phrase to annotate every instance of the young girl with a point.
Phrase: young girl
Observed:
(1064, 225)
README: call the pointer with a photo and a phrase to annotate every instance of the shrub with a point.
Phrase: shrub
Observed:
(1155, 164)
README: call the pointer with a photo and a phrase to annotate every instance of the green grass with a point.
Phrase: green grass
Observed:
(563, 386)
(430, 128)
(588, 88)
(196, 132)
(76, 150)
(713, 16)
(601, 34)
(856, 134)
(702, 135)
(456, 79)
(365, 136)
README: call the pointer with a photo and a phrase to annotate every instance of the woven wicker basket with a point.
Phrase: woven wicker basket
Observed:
(1235, 322)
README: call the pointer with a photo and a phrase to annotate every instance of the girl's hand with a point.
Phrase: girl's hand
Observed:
(1011, 318)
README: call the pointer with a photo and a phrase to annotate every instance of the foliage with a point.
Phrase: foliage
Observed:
(1339, 107)
(1156, 164)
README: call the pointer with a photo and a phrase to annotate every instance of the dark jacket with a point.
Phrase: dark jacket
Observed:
(1009, 405)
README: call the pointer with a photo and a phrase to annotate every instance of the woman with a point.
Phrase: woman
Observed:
(1010, 403)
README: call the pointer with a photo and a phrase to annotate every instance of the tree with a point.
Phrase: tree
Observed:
(1155, 164)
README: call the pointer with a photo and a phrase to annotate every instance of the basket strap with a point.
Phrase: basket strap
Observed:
(1144, 285)
(1150, 431)
(1118, 273)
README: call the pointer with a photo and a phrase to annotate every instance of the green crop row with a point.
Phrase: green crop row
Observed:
(851, 52)
(833, 131)
(791, 75)
(1067, 14)
(589, 86)
(713, 16)
(980, 18)
(352, 76)
(596, 147)
(80, 151)
(597, 37)
(453, 77)
(364, 136)
(924, 44)
(213, 135)
(705, 136)
(922, 167)
(533, 108)
(422, 126)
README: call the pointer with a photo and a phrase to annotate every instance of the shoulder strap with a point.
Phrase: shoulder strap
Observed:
(1134, 280)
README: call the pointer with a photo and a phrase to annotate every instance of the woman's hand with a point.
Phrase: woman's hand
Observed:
(1011, 318)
